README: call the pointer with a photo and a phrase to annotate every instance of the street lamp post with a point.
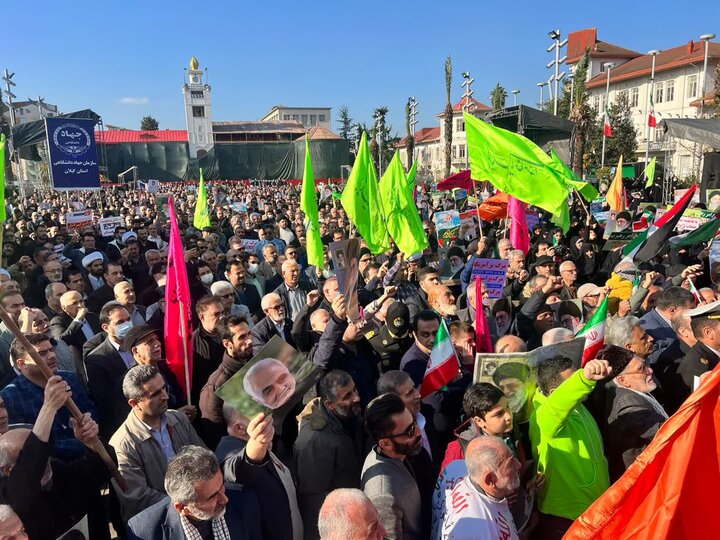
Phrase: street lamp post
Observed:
(515, 96)
(706, 38)
(572, 90)
(542, 93)
(651, 88)
(557, 77)
(413, 120)
(609, 67)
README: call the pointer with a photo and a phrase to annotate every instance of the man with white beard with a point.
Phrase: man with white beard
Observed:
(442, 301)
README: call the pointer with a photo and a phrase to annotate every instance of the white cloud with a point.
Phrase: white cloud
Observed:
(129, 100)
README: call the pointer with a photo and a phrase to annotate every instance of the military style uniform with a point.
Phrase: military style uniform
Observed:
(391, 340)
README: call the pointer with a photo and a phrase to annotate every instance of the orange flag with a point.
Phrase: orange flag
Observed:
(615, 192)
(671, 490)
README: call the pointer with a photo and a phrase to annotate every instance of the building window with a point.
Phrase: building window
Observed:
(454, 152)
(460, 125)
(321, 117)
(286, 117)
(692, 86)
(669, 90)
(659, 134)
(634, 97)
(304, 119)
(313, 119)
(461, 151)
(659, 92)
(295, 117)
(198, 112)
(197, 94)
(596, 103)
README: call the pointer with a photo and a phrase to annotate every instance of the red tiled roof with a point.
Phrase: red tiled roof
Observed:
(117, 136)
(690, 53)
(460, 104)
(319, 133)
(423, 135)
(709, 99)
(582, 39)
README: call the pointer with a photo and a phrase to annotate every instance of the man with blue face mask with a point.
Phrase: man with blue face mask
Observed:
(106, 365)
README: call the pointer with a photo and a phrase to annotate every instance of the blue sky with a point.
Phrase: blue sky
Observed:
(125, 59)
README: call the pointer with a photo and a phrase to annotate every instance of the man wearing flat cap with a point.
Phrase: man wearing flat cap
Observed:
(703, 356)
(632, 414)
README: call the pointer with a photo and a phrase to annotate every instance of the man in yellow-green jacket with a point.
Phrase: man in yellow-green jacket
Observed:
(567, 443)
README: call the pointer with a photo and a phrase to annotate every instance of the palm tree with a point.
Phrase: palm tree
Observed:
(448, 115)
(498, 97)
(379, 135)
(410, 138)
(581, 114)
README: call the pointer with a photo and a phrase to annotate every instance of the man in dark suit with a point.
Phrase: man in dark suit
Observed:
(427, 277)
(208, 349)
(75, 324)
(633, 415)
(292, 291)
(656, 322)
(244, 294)
(217, 509)
(275, 322)
(106, 366)
(112, 274)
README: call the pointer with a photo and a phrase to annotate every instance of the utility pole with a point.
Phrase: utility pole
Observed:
(609, 67)
(557, 76)
(413, 120)
(468, 80)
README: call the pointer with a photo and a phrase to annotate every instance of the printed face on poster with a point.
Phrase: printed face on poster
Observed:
(78, 220)
(493, 273)
(468, 225)
(72, 153)
(272, 382)
(447, 226)
(346, 257)
(713, 199)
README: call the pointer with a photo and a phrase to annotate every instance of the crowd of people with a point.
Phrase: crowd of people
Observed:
(360, 455)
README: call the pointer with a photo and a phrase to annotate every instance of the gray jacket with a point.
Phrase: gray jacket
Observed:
(392, 488)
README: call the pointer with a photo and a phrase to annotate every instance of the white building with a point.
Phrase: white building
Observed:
(28, 111)
(198, 111)
(307, 116)
(430, 145)
(676, 91)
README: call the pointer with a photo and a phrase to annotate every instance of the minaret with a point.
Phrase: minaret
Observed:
(198, 111)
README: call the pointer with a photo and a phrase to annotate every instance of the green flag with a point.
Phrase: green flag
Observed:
(411, 178)
(516, 166)
(3, 215)
(401, 215)
(308, 204)
(704, 233)
(202, 217)
(650, 173)
(572, 180)
(361, 200)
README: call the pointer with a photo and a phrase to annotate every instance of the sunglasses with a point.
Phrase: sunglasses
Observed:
(409, 432)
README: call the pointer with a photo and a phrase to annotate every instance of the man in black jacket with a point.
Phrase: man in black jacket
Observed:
(208, 349)
(112, 274)
(275, 322)
(51, 495)
(75, 325)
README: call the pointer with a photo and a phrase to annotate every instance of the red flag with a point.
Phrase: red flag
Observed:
(519, 234)
(483, 341)
(178, 322)
(458, 180)
(652, 122)
(668, 492)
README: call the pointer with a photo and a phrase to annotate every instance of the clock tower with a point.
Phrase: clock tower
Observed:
(198, 111)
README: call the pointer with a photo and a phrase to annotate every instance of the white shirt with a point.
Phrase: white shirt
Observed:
(421, 421)
(472, 514)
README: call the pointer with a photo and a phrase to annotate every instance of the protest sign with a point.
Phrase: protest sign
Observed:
(78, 220)
(691, 219)
(162, 203)
(712, 198)
(447, 225)
(275, 380)
(597, 205)
(468, 225)
(73, 160)
(249, 244)
(533, 219)
(619, 239)
(678, 194)
(107, 225)
(461, 199)
(601, 217)
(714, 260)
(346, 256)
(493, 273)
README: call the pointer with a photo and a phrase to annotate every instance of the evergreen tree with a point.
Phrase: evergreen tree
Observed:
(148, 123)
(624, 139)
(346, 123)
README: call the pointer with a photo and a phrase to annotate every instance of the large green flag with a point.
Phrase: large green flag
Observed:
(3, 215)
(361, 200)
(308, 204)
(411, 178)
(650, 173)
(585, 189)
(516, 166)
(401, 214)
(202, 216)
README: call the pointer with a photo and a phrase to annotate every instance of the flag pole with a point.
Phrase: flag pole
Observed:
(183, 334)
(579, 197)
(76, 413)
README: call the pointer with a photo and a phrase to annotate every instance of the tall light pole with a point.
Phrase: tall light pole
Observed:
(413, 120)
(706, 38)
(542, 93)
(571, 76)
(515, 95)
(468, 93)
(557, 77)
(609, 67)
(651, 88)
(10, 96)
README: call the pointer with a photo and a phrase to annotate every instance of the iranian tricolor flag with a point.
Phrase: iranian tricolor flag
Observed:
(594, 332)
(444, 364)
(652, 122)
(607, 128)
(695, 292)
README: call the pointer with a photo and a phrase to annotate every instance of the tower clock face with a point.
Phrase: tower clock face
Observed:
(195, 78)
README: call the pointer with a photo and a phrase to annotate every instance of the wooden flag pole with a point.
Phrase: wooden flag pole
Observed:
(76, 413)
